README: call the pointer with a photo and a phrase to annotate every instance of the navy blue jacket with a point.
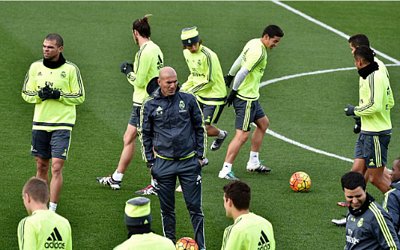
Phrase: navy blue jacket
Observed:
(173, 126)
(370, 228)
(392, 204)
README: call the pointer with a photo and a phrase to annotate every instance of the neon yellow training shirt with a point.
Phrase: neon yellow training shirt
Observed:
(44, 230)
(249, 232)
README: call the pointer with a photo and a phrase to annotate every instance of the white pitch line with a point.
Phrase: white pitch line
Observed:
(283, 78)
(309, 148)
(325, 26)
(296, 143)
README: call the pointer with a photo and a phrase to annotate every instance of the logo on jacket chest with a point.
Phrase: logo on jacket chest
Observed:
(182, 106)
(159, 111)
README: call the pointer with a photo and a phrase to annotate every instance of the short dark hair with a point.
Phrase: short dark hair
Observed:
(142, 26)
(364, 53)
(37, 189)
(240, 194)
(359, 40)
(353, 180)
(272, 31)
(57, 37)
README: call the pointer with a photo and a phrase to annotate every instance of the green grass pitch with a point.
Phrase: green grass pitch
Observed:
(306, 109)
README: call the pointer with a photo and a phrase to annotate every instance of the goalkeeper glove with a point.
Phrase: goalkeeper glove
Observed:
(126, 68)
(231, 97)
(349, 110)
(45, 92)
(228, 80)
(54, 94)
(357, 125)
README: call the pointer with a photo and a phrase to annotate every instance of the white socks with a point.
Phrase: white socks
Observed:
(52, 206)
(227, 167)
(221, 134)
(117, 176)
(254, 158)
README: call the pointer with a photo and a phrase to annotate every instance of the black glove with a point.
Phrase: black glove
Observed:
(228, 80)
(357, 125)
(45, 92)
(231, 97)
(150, 164)
(349, 110)
(54, 94)
(126, 68)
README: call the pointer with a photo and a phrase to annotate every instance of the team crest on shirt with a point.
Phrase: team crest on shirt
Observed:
(360, 222)
(63, 74)
(181, 105)
(39, 73)
(199, 62)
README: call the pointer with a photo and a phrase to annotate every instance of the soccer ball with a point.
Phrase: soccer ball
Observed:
(186, 243)
(300, 182)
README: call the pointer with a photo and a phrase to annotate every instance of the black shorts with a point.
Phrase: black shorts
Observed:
(211, 113)
(373, 149)
(53, 144)
(246, 113)
(135, 116)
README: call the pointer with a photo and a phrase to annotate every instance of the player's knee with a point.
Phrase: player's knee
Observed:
(263, 124)
(57, 166)
(243, 137)
(42, 165)
(375, 178)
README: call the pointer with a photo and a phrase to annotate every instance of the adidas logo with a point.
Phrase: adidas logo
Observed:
(159, 111)
(263, 244)
(54, 241)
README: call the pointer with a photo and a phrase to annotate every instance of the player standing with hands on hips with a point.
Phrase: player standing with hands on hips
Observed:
(174, 139)
(246, 73)
(148, 61)
(55, 86)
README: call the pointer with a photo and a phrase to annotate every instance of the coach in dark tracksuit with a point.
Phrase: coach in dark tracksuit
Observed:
(173, 137)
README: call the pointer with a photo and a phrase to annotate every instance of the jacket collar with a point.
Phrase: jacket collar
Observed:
(395, 184)
(363, 208)
(367, 70)
(56, 64)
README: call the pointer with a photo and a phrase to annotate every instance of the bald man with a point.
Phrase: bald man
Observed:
(173, 143)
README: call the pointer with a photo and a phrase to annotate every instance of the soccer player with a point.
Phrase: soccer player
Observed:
(246, 73)
(148, 61)
(42, 229)
(55, 86)
(391, 202)
(138, 222)
(249, 231)
(375, 102)
(368, 225)
(205, 81)
(173, 140)
(356, 41)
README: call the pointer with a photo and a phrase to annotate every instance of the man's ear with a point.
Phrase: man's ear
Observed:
(27, 198)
